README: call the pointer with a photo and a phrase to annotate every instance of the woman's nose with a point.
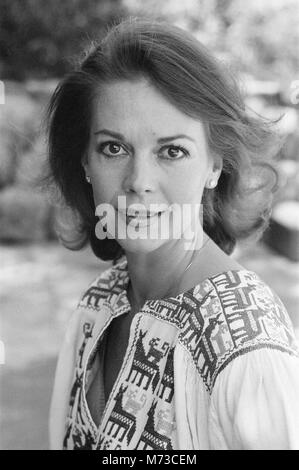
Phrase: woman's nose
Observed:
(141, 176)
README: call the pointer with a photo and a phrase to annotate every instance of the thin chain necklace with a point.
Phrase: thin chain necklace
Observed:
(177, 284)
(190, 264)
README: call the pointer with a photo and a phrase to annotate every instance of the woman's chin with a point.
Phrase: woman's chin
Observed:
(140, 245)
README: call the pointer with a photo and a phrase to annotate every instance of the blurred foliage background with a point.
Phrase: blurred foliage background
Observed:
(38, 38)
(40, 41)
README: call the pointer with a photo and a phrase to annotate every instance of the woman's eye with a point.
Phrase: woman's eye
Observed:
(114, 149)
(175, 152)
(111, 149)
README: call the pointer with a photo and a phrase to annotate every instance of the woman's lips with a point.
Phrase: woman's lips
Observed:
(141, 220)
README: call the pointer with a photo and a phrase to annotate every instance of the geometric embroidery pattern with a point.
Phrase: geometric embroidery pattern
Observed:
(223, 317)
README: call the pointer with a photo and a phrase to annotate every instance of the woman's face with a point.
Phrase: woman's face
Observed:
(147, 151)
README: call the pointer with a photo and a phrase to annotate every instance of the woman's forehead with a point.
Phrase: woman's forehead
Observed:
(138, 104)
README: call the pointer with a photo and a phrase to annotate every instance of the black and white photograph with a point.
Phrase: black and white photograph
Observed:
(149, 227)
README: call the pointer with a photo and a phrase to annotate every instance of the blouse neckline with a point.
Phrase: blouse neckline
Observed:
(122, 282)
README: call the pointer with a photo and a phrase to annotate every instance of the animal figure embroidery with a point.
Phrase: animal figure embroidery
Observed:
(147, 365)
(167, 382)
(122, 422)
(151, 438)
(205, 351)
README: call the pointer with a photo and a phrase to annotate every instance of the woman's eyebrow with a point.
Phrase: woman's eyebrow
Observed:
(161, 140)
(173, 137)
(112, 133)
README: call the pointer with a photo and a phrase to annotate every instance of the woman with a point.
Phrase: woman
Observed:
(176, 346)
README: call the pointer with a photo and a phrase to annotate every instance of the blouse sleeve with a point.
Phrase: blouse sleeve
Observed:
(255, 402)
(62, 383)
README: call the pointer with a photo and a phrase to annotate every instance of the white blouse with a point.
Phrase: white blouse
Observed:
(216, 367)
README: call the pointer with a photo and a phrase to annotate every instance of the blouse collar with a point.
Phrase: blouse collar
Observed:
(118, 297)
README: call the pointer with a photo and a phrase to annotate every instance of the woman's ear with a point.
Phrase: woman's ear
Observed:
(215, 172)
(84, 163)
(217, 165)
(84, 160)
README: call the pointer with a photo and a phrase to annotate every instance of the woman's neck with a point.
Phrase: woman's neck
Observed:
(162, 273)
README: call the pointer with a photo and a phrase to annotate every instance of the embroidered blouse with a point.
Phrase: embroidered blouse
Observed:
(216, 367)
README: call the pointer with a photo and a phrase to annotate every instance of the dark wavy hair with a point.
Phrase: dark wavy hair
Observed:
(186, 73)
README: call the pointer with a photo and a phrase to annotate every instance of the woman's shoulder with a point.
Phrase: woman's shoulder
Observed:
(95, 306)
(237, 313)
(109, 281)
(241, 294)
(93, 296)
